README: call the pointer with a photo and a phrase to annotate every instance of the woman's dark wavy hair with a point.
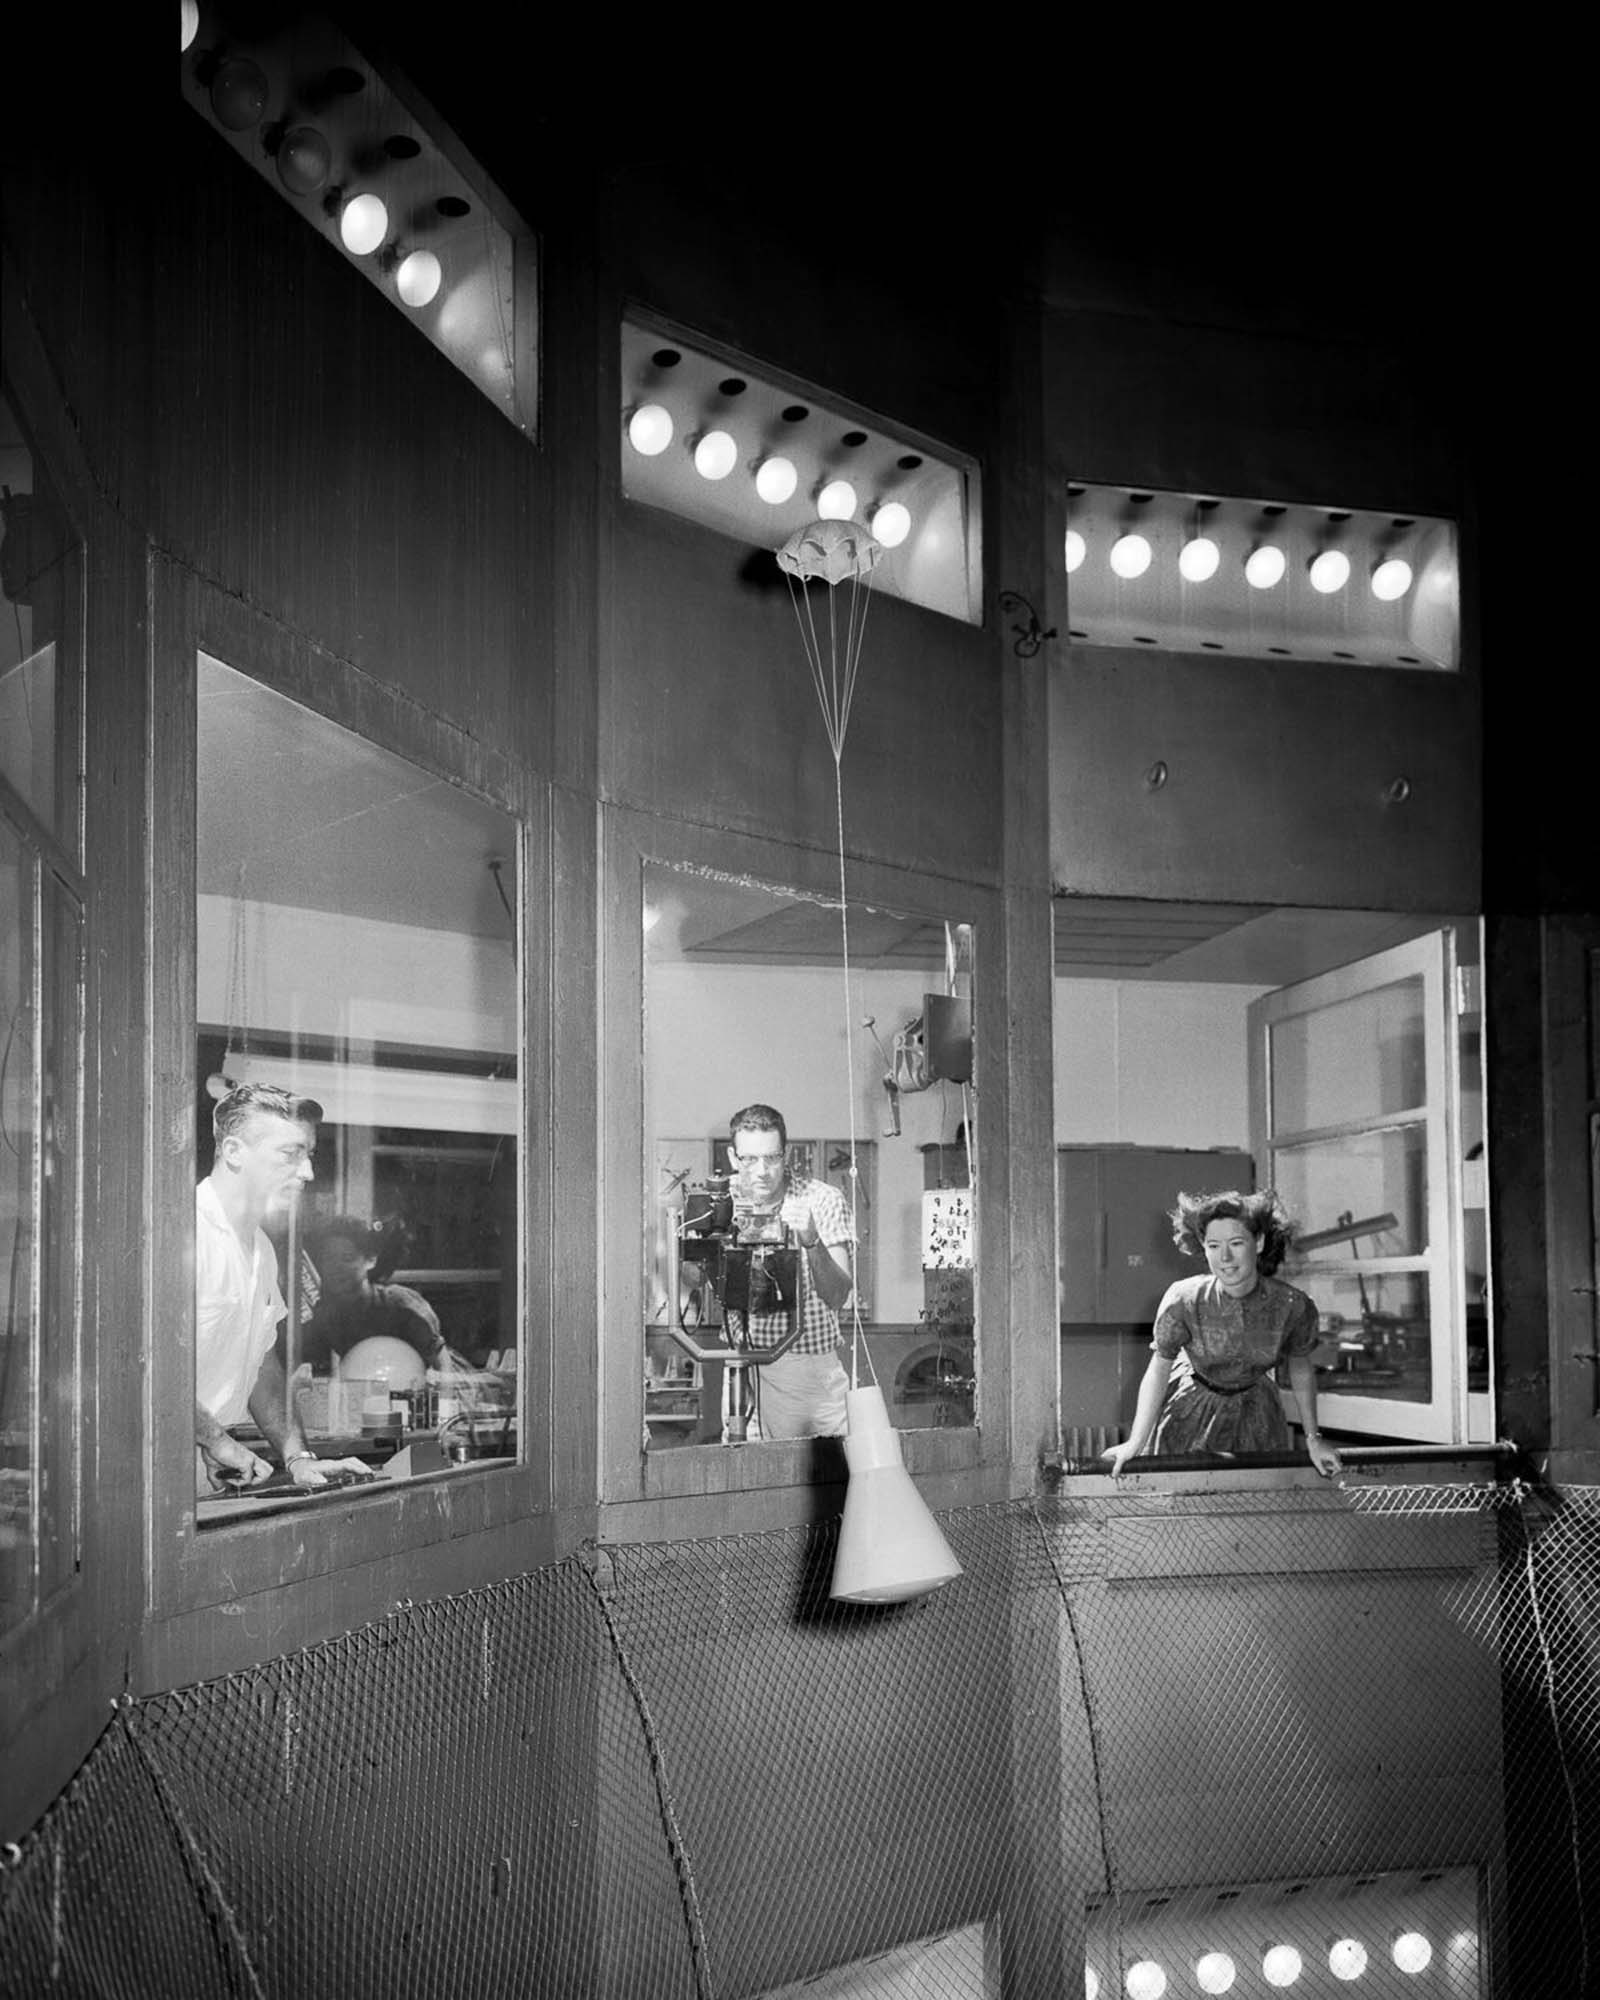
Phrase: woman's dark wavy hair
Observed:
(1262, 1214)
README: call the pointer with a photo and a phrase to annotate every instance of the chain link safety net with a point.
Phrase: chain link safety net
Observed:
(1340, 1741)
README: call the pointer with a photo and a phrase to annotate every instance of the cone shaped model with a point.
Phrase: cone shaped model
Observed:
(890, 1546)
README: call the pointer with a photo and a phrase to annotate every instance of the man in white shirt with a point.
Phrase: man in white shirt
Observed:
(263, 1158)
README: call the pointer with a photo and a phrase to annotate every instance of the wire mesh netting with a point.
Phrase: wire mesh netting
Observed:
(1332, 1741)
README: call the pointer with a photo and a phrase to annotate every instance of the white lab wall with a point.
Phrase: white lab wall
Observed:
(1151, 1063)
(288, 971)
(719, 1037)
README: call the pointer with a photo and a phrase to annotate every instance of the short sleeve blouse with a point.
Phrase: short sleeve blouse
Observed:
(1228, 1340)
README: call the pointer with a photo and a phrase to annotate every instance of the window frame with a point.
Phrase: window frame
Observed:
(631, 842)
(384, 1535)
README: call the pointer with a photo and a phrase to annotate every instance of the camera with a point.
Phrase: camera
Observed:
(745, 1252)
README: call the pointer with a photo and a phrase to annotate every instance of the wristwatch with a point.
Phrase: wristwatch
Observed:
(295, 1457)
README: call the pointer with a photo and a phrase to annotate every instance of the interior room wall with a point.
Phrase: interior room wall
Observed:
(1146, 1063)
(724, 1036)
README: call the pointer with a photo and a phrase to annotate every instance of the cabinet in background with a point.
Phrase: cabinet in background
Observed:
(1116, 1251)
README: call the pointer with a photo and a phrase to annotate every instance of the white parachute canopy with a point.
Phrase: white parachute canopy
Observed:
(840, 555)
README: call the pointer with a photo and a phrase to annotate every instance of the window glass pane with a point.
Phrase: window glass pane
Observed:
(38, 583)
(746, 1012)
(1358, 1058)
(1375, 1333)
(357, 950)
(1370, 1187)
(19, 1194)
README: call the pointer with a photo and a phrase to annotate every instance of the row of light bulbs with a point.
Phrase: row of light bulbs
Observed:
(1266, 565)
(1281, 1965)
(239, 90)
(716, 453)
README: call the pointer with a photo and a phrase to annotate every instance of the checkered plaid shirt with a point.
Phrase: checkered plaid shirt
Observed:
(819, 1323)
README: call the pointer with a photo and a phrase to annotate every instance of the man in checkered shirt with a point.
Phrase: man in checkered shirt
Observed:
(802, 1393)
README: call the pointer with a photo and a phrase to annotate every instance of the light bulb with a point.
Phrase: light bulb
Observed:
(891, 524)
(239, 93)
(650, 430)
(836, 501)
(304, 159)
(419, 278)
(1215, 1973)
(1281, 1966)
(363, 224)
(1091, 1983)
(1077, 549)
(1130, 556)
(1199, 560)
(189, 12)
(715, 455)
(1145, 1980)
(1265, 566)
(1330, 571)
(1391, 579)
(1347, 1958)
(1412, 1952)
(776, 480)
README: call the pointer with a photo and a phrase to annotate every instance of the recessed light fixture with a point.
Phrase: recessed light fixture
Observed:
(303, 158)
(419, 278)
(891, 523)
(715, 455)
(836, 501)
(239, 93)
(363, 224)
(1130, 556)
(776, 479)
(1264, 566)
(1281, 1965)
(1199, 559)
(1412, 1952)
(650, 430)
(1076, 549)
(1391, 579)
(1329, 571)
(1215, 1972)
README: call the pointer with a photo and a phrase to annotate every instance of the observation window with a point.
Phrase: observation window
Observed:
(358, 1102)
(41, 1031)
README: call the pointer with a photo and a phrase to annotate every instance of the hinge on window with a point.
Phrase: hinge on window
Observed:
(1468, 989)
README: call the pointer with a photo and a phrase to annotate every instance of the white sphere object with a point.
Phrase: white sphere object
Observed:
(1391, 579)
(1199, 560)
(650, 430)
(1347, 1958)
(1412, 1952)
(1265, 566)
(891, 524)
(836, 501)
(363, 224)
(776, 480)
(1077, 548)
(1282, 1965)
(715, 455)
(1215, 1973)
(383, 1358)
(1145, 1980)
(419, 278)
(1330, 571)
(1091, 1983)
(1130, 556)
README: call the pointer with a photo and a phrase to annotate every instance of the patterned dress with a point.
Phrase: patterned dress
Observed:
(1224, 1350)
